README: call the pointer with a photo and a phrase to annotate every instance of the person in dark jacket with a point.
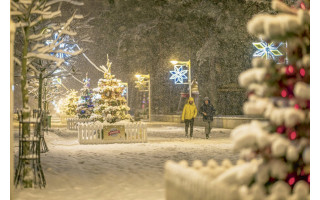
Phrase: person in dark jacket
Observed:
(207, 110)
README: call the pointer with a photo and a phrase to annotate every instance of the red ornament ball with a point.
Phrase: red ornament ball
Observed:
(291, 181)
(293, 135)
(290, 69)
(284, 93)
(302, 72)
(296, 106)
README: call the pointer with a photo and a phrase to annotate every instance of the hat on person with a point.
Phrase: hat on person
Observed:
(206, 99)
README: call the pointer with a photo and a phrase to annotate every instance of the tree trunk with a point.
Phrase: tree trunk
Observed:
(40, 91)
(27, 179)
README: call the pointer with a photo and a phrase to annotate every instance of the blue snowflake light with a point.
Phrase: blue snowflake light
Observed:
(267, 50)
(178, 75)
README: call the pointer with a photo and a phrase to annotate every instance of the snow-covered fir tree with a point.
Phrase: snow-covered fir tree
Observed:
(111, 106)
(281, 93)
(275, 153)
(85, 104)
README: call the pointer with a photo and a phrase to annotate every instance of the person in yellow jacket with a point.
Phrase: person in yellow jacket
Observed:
(188, 115)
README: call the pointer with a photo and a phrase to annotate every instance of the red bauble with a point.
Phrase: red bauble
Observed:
(293, 135)
(296, 106)
(289, 70)
(302, 72)
(284, 93)
(291, 181)
(281, 129)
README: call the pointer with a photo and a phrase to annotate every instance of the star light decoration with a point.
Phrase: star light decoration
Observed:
(87, 81)
(178, 75)
(267, 50)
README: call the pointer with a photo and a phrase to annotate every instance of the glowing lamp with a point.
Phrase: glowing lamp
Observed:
(174, 62)
(138, 75)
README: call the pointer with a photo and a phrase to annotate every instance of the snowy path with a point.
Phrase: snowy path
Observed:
(120, 171)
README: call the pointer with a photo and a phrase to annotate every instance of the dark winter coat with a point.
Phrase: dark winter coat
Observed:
(209, 110)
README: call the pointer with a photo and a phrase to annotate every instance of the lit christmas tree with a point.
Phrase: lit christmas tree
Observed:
(281, 93)
(85, 104)
(111, 105)
(275, 153)
(70, 103)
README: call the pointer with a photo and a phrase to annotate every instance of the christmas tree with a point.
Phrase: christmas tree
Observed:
(111, 106)
(85, 104)
(281, 93)
(275, 153)
(70, 103)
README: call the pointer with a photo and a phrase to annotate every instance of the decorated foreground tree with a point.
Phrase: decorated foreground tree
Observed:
(275, 153)
(85, 104)
(111, 106)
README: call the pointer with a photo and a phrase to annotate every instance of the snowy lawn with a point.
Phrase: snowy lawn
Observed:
(120, 171)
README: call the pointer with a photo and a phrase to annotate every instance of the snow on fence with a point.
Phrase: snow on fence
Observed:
(72, 123)
(92, 133)
(187, 183)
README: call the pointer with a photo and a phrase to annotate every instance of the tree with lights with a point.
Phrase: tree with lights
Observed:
(111, 106)
(275, 153)
(70, 103)
(85, 103)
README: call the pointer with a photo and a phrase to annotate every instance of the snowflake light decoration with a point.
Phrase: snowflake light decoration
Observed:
(267, 50)
(178, 75)
(65, 45)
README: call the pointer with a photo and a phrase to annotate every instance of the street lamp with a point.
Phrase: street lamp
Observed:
(142, 80)
(178, 74)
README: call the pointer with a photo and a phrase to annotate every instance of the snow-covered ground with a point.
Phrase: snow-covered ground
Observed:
(120, 171)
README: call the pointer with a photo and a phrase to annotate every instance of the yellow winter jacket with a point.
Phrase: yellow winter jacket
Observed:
(189, 111)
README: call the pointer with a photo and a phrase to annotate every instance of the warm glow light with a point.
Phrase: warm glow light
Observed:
(174, 62)
(138, 75)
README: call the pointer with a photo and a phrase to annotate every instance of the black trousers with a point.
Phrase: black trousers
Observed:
(189, 122)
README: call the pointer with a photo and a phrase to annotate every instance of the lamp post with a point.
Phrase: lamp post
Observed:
(180, 75)
(140, 83)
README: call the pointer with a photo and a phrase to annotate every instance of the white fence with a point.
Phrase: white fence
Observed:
(72, 123)
(92, 133)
